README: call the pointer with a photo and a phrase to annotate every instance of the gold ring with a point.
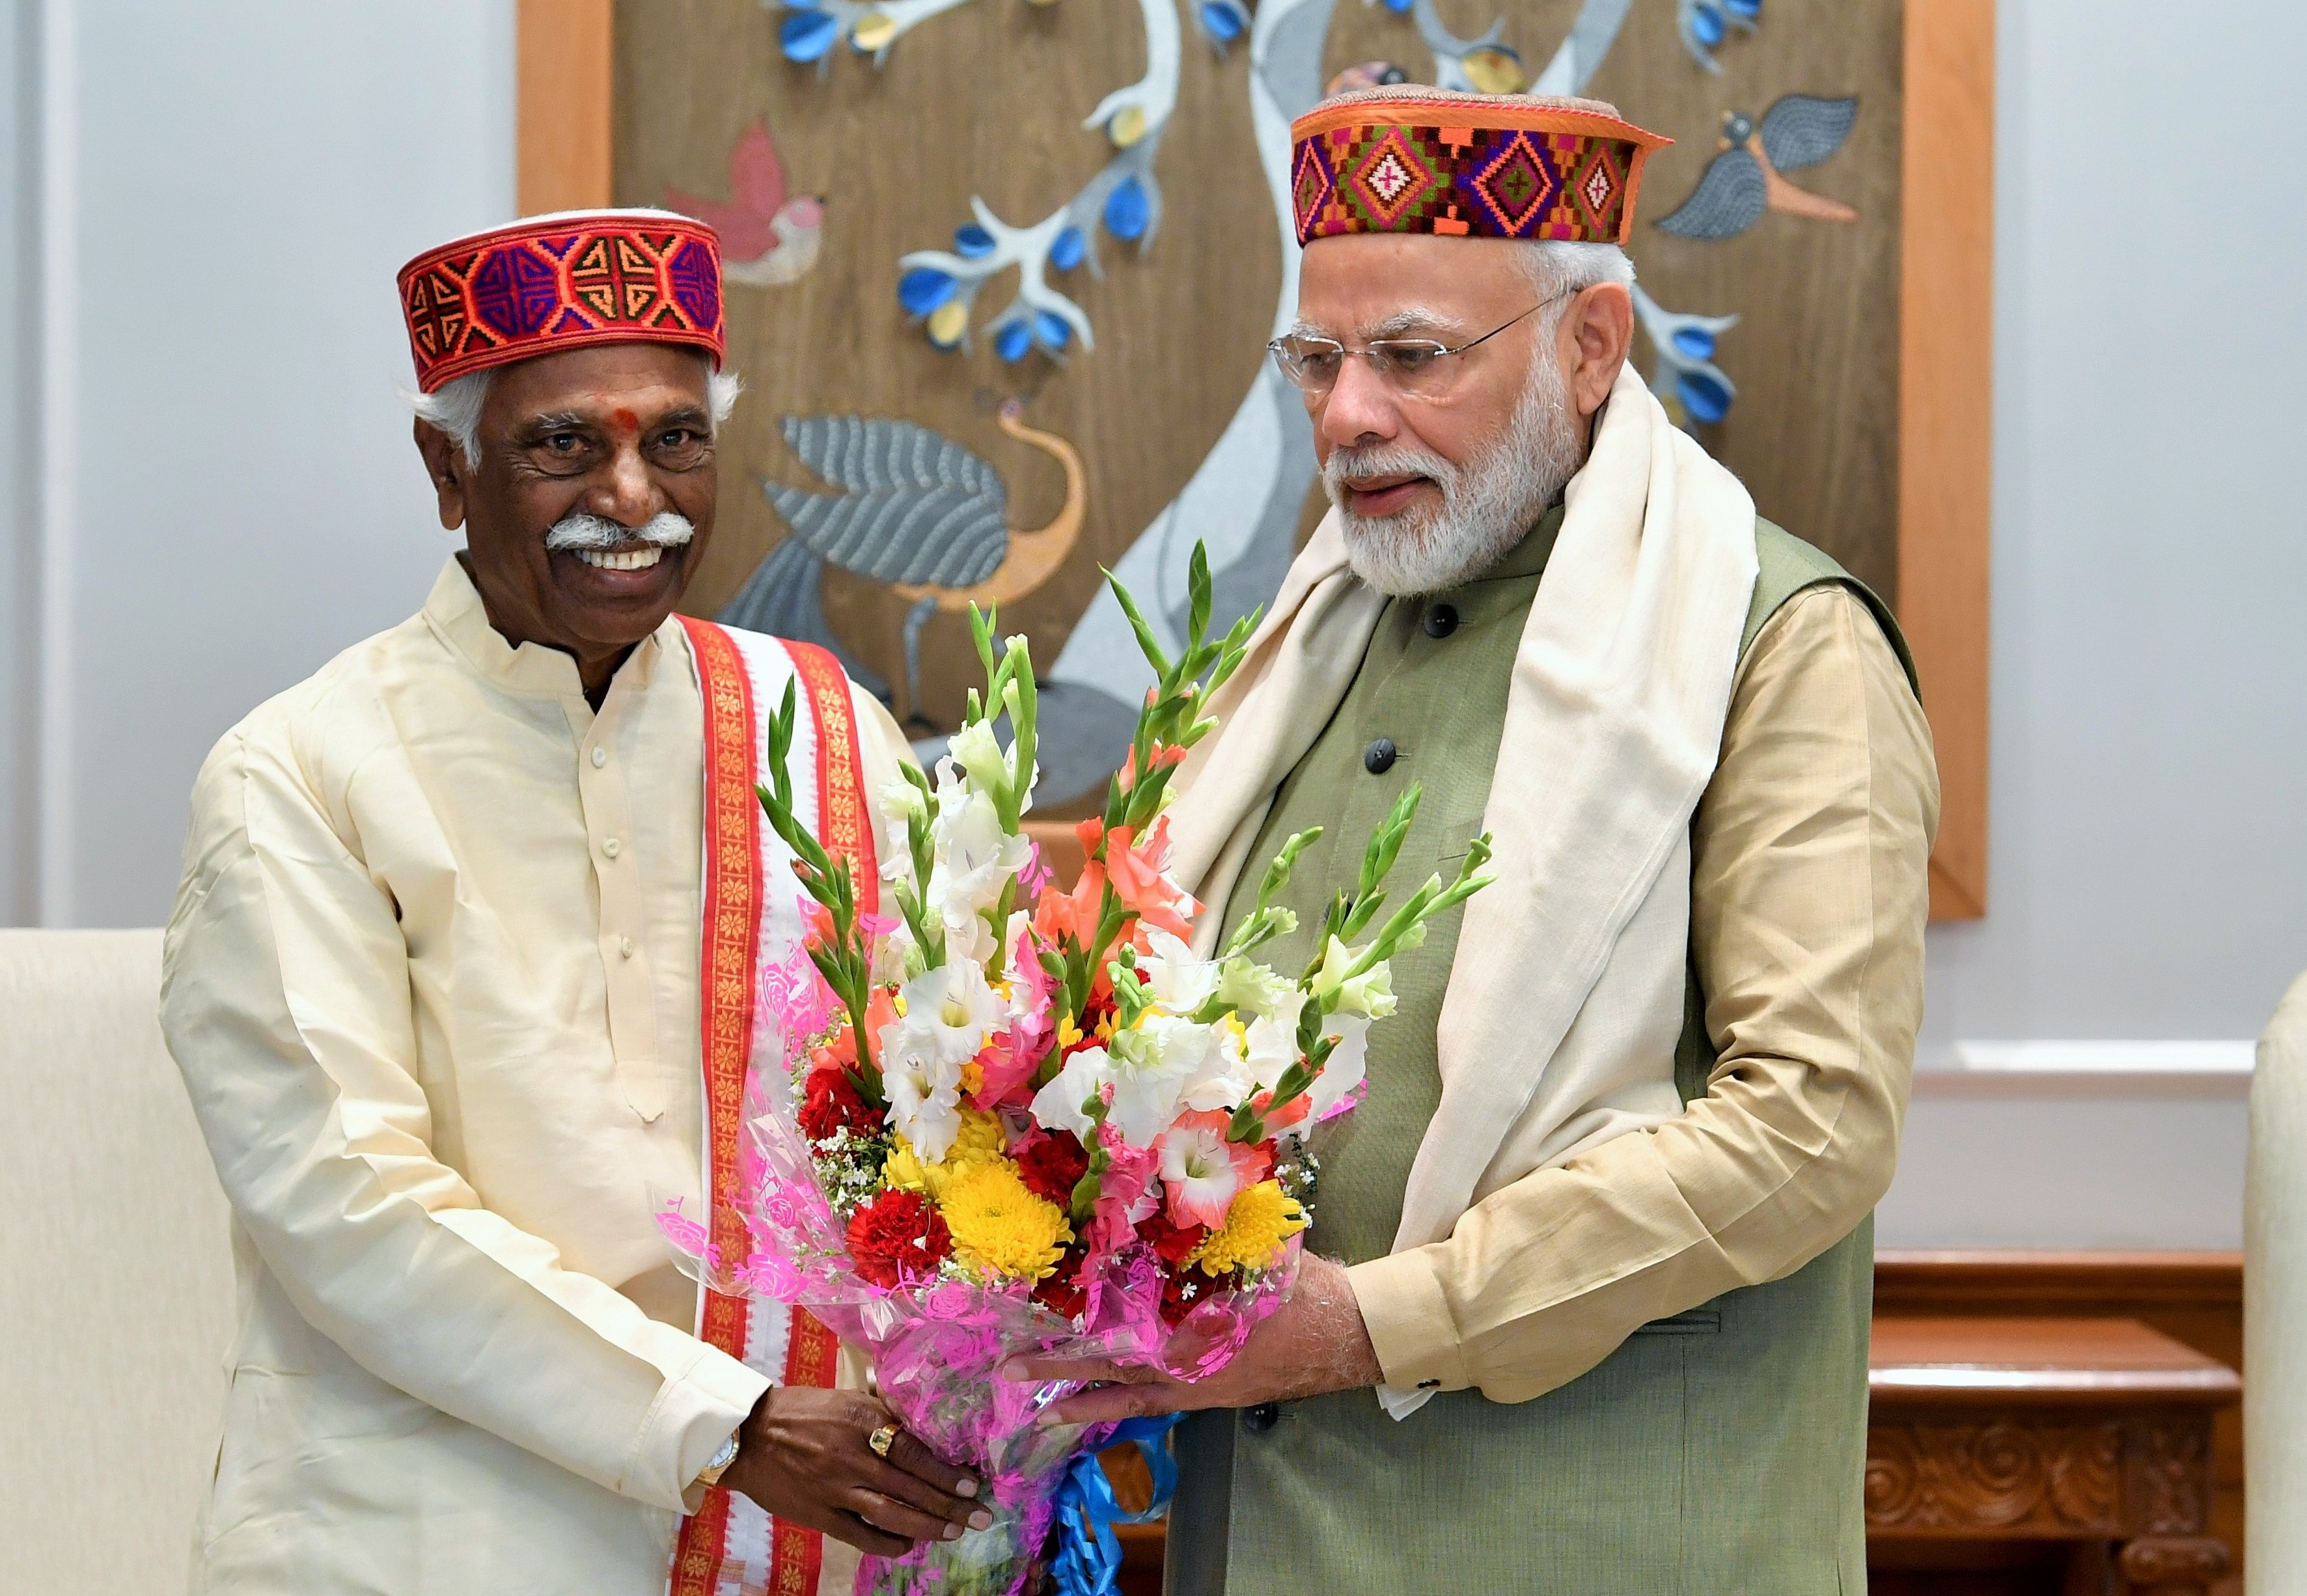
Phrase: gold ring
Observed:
(882, 1439)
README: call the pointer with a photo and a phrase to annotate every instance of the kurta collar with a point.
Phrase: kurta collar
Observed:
(457, 616)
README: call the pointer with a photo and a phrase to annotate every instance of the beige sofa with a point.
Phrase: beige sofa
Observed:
(115, 1270)
(2274, 1307)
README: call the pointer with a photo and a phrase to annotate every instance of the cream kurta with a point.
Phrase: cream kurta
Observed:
(431, 981)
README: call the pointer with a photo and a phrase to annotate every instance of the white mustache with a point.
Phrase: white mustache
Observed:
(665, 529)
(1386, 459)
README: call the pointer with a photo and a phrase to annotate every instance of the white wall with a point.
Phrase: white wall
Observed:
(19, 575)
(233, 497)
(238, 499)
(2149, 863)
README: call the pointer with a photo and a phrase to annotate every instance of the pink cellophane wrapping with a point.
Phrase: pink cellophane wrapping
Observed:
(938, 1346)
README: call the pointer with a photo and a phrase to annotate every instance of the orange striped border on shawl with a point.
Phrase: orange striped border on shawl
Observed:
(845, 815)
(732, 893)
(726, 958)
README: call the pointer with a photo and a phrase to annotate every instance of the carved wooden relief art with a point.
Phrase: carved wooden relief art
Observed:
(1995, 1475)
(999, 274)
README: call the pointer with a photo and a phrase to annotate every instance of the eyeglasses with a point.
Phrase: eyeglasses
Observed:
(1418, 367)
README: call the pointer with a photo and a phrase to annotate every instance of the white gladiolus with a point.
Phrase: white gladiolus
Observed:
(1179, 983)
(975, 857)
(1273, 1049)
(1225, 1077)
(1255, 993)
(1057, 1106)
(978, 753)
(1152, 1066)
(899, 800)
(948, 1012)
(1369, 994)
(1349, 1063)
(896, 957)
(923, 1089)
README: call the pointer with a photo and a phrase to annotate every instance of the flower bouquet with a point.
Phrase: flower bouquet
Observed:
(1015, 1118)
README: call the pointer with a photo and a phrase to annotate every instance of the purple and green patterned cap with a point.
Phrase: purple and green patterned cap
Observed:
(1416, 160)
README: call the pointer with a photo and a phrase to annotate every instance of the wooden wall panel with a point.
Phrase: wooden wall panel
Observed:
(567, 82)
(971, 104)
(1909, 509)
(1946, 417)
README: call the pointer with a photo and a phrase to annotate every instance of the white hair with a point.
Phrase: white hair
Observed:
(1557, 266)
(455, 407)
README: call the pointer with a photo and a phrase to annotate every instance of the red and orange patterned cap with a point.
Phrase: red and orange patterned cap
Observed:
(1416, 160)
(563, 281)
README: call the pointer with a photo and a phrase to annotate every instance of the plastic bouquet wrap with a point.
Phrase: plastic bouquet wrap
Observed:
(1016, 1118)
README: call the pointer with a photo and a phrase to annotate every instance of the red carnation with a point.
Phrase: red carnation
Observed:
(1174, 1242)
(832, 1105)
(1051, 1164)
(897, 1234)
(1061, 1292)
(1185, 1289)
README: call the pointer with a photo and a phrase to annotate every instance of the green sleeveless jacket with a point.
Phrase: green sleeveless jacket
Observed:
(1718, 1451)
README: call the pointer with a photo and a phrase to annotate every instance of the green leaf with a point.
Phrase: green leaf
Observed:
(1147, 643)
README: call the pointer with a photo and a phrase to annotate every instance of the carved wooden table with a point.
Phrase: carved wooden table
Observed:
(2094, 1432)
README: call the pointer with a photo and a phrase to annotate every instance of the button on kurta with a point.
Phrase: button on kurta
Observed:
(611, 847)
(1441, 621)
(1378, 757)
(600, 758)
(1262, 1418)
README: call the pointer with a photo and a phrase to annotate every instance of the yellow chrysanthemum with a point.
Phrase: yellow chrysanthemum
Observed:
(1256, 1224)
(1069, 1033)
(1000, 1227)
(980, 1141)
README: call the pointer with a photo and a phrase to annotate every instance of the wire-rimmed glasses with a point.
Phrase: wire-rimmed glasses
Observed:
(1419, 367)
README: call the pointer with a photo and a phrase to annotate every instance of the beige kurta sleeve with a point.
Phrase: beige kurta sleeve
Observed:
(285, 1002)
(1808, 898)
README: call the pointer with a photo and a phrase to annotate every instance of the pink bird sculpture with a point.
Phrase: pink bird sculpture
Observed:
(767, 239)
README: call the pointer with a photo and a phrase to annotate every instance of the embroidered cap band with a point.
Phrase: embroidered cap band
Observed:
(549, 283)
(1415, 159)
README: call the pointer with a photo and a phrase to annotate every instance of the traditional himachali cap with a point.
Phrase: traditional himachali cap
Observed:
(563, 281)
(1418, 159)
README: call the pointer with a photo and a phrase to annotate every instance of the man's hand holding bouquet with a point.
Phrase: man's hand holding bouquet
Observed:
(1019, 1122)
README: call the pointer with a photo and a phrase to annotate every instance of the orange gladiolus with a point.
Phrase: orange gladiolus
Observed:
(1137, 880)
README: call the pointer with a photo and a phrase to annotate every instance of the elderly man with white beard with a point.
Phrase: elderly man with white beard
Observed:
(1592, 1306)
(461, 980)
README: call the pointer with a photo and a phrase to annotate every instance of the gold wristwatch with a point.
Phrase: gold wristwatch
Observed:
(710, 1474)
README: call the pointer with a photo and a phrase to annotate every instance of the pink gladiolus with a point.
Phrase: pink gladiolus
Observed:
(1120, 1193)
(1202, 1172)
(1037, 873)
(1007, 1059)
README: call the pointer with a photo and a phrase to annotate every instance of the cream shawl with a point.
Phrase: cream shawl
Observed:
(1565, 1000)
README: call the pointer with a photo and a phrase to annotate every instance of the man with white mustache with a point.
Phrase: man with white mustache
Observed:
(460, 980)
(1585, 1300)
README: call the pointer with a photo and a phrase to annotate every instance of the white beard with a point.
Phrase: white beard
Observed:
(1489, 504)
